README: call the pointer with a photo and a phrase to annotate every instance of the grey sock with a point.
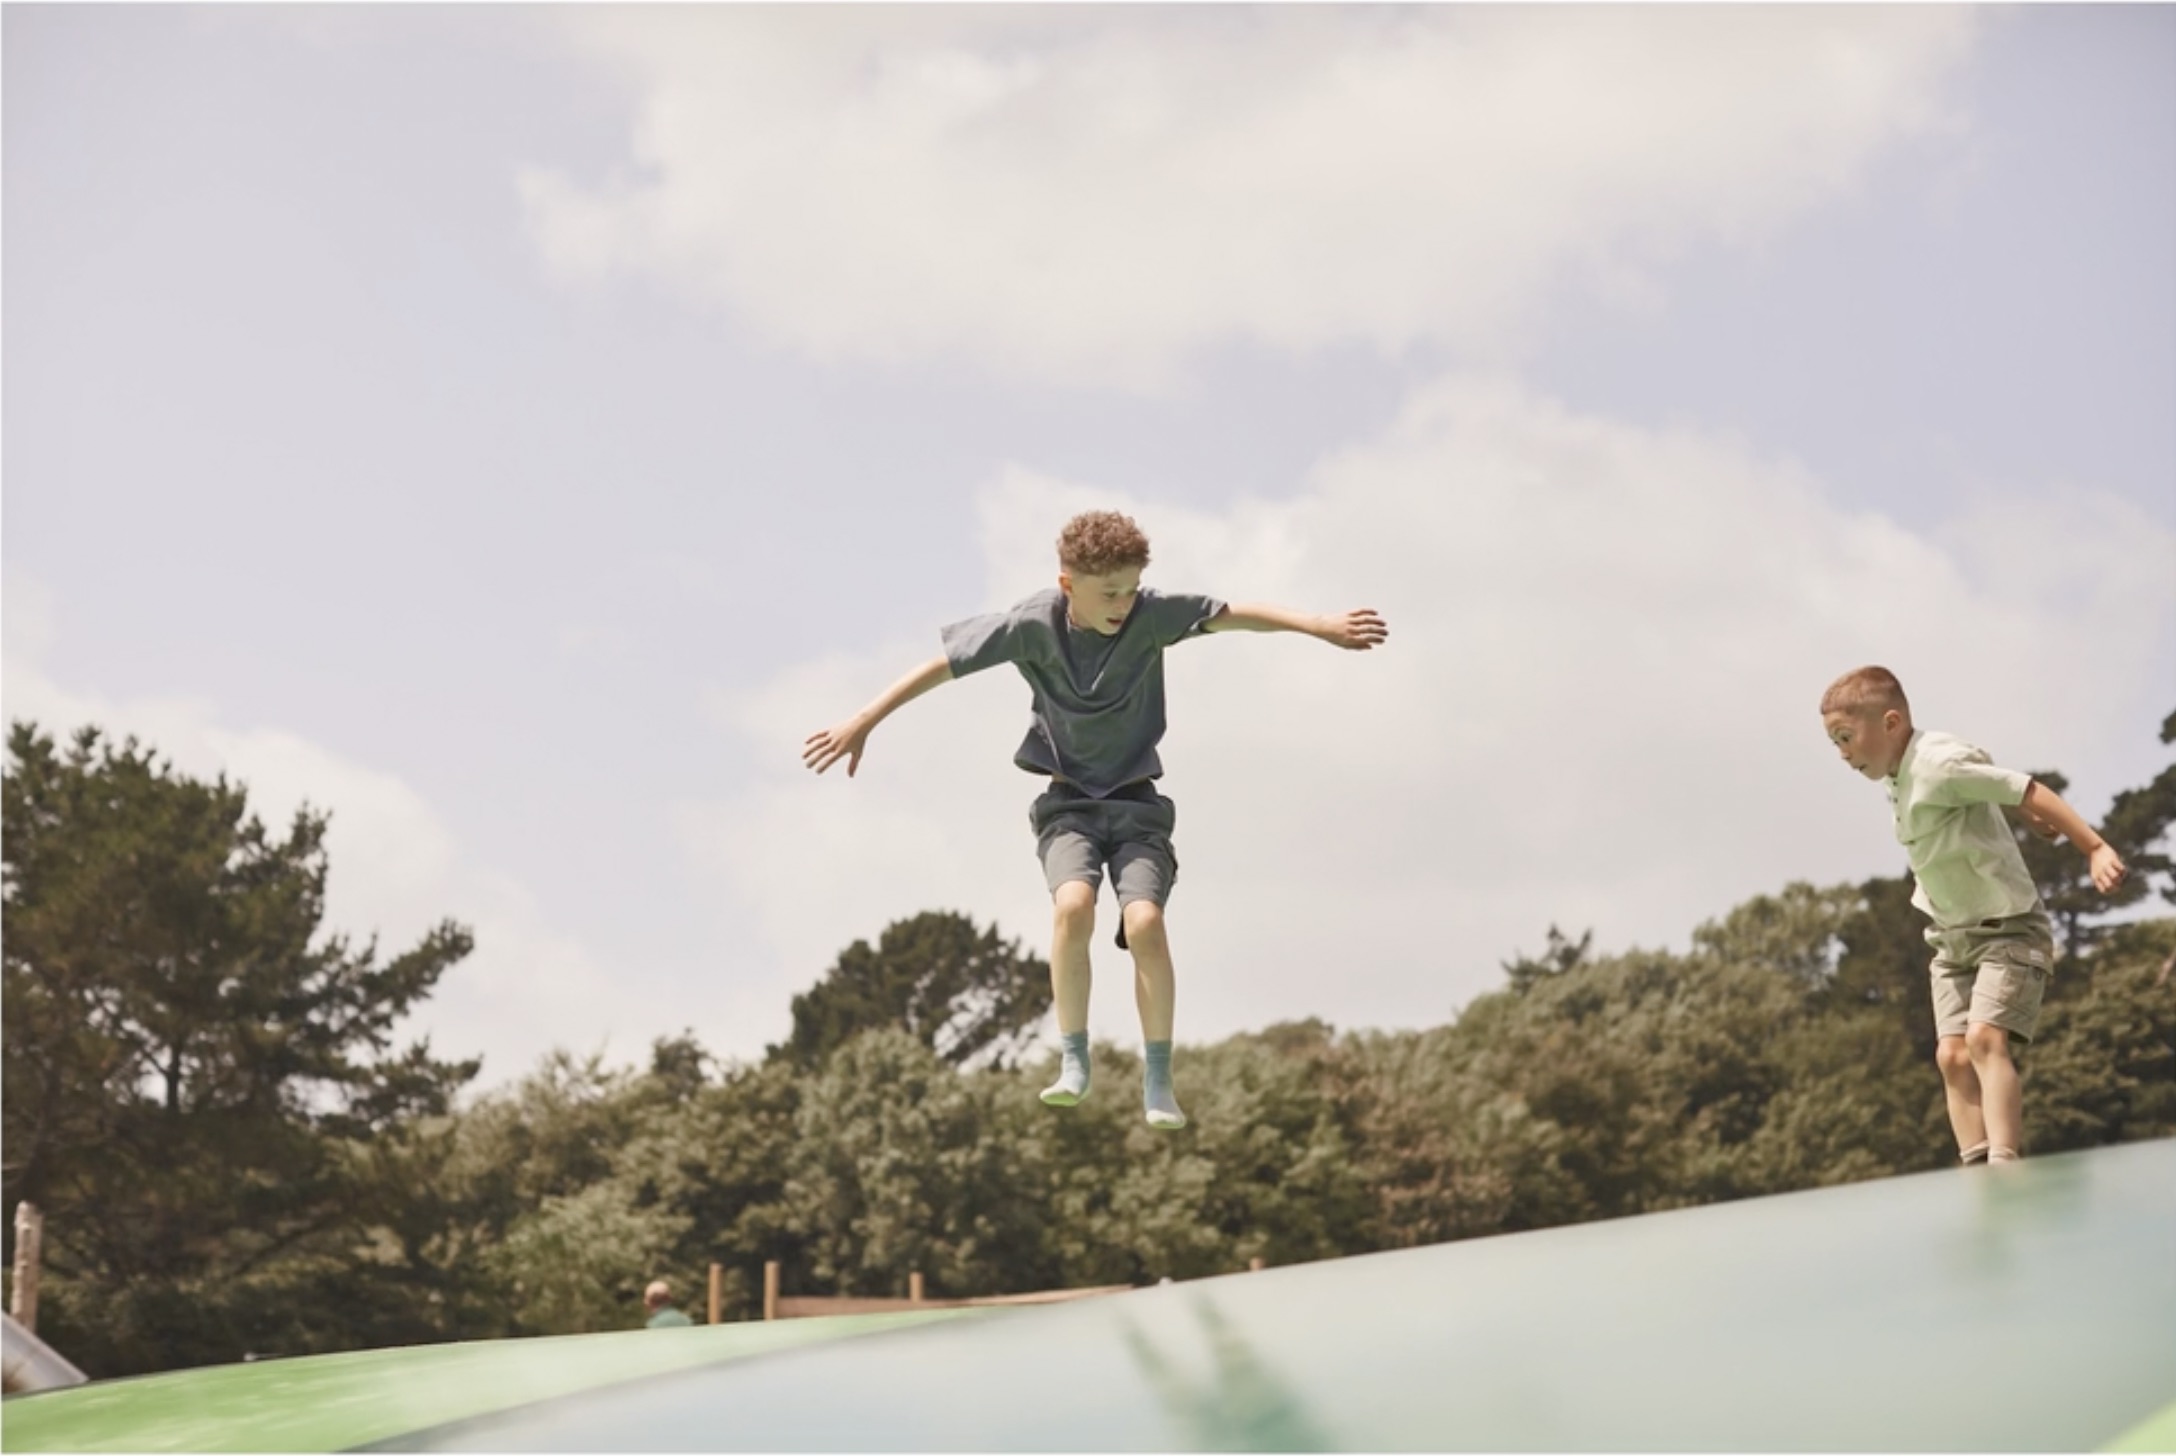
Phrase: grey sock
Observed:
(1157, 1099)
(1072, 1083)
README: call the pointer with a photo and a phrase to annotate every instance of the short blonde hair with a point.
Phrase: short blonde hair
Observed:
(1098, 543)
(1865, 688)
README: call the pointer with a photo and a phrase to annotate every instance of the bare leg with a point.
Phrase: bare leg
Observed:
(1961, 1085)
(1073, 923)
(2002, 1095)
(1155, 986)
(1154, 992)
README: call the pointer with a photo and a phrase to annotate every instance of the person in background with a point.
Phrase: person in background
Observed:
(657, 1299)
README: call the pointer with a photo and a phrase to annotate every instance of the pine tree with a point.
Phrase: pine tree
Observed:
(192, 1068)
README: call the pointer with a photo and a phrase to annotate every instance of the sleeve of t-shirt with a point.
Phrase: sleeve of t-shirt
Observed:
(988, 640)
(1180, 615)
(1969, 776)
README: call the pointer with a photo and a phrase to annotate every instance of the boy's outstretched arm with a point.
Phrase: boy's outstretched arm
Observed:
(2043, 806)
(1357, 630)
(823, 749)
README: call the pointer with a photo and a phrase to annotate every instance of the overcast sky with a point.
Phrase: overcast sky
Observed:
(514, 430)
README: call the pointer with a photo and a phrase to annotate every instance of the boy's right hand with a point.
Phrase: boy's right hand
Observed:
(1355, 631)
(821, 750)
(2107, 868)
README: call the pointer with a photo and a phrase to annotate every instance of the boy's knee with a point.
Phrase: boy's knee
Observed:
(1144, 922)
(1984, 1040)
(1073, 909)
(1952, 1055)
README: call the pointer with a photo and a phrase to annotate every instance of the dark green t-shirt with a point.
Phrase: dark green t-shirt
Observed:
(1098, 710)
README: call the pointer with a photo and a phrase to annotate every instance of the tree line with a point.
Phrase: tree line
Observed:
(203, 1094)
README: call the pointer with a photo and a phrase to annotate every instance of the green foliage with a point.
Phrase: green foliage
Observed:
(2138, 822)
(734, 1150)
(1443, 1155)
(2063, 876)
(1798, 933)
(550, 1204)
(292, 1185)
(1635, 1077)
(1857, 1101)
(1883, 965)
(901, 1163)
(191, 1067)
(966, 995)
(1561, 955)
(2104, 1067)
(1265, 1169)
(572, 1262)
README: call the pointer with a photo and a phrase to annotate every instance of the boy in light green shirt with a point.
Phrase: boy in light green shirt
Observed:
(1993, 945)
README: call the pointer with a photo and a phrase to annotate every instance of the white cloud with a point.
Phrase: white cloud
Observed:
(396, 867)
(1093, 192)
(1597, 708)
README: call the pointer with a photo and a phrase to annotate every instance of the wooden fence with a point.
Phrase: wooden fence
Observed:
(777, 1305)
(26, 1362)
(29, 1251)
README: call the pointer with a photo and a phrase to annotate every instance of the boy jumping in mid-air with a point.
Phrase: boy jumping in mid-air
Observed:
(1092, 651)
(1993, 946)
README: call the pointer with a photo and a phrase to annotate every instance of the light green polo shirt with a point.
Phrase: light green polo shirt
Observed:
(1948, 797)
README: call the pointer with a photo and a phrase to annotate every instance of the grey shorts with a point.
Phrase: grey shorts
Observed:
(1995, 971)
(1076, 835)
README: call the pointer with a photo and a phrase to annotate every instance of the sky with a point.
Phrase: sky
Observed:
(514, 429)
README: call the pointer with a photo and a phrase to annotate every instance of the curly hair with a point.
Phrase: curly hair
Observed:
(1863, 688)
(1098, 543)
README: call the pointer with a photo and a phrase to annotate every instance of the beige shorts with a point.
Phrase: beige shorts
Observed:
(1995, 971)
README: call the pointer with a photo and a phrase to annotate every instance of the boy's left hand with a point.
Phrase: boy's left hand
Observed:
(2107, 868)
(1355, 631)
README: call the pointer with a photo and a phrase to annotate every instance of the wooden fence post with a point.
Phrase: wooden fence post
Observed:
(914, 1287)
(29, 1232)
(770, 1289)
(717, 1293)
